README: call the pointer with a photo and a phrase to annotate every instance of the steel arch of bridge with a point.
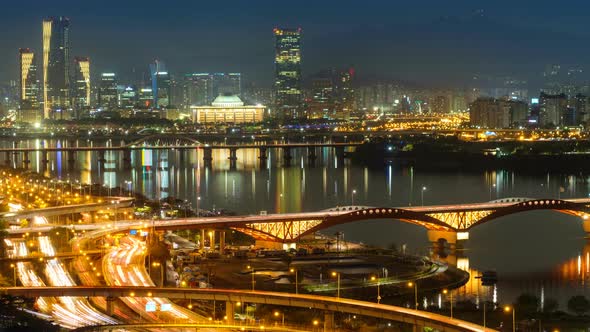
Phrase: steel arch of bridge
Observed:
(450, 221)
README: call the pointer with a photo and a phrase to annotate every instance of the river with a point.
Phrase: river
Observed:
(542, 252)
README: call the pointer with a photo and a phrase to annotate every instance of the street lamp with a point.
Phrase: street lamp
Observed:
(276, 314)
(337, 275)
(373, 278)
(415, 285)
(450, 292)
(13, 273)
(251, 268)
(292, 270)
(508, 309)
(353, 193)
(198, 204)
(422, 195)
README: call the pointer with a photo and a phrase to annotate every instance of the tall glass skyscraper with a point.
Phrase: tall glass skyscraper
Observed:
(81, 85)
(28, 87)
(108, 94)
(56, 67)
(288, 73)
(160, 84)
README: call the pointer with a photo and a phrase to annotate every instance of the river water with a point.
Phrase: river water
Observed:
(542, 252)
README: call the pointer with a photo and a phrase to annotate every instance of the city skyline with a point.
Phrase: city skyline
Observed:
(437, 44)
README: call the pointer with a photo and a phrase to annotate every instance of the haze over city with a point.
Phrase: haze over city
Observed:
(437, 43)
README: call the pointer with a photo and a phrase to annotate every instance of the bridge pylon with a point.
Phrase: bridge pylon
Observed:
(434, 236)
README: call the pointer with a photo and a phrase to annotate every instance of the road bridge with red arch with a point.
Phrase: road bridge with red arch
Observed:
(441, 221)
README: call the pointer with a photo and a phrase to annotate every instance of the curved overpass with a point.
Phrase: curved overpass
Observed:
(329, 304)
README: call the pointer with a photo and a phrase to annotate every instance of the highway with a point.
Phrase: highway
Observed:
(342, 305)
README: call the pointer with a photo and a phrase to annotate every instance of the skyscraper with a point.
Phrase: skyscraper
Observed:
(28, 87)
(81, 91)
(56, 62)
(288, 73)
(202, 88)
(160, 84)
(108, 97)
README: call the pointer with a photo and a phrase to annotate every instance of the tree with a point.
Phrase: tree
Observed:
(578, 304)
(527, 304)
(550, 306)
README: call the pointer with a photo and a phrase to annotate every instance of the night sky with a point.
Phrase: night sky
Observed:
(442, 42)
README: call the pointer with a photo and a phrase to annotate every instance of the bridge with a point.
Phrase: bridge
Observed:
(172, 143)
(441, 221)
(328, 305)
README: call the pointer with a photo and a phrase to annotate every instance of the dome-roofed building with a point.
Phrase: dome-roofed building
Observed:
(227, 109)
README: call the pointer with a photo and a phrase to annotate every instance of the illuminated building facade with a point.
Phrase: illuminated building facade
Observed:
(82, 88)
(29, 87)
(108, 96)
(490, 113)
(227, 109)
(160, 84)
(332, 95)
(288, 73)
(202, 88)
(128, 97)
(552, 109)
(56, 67)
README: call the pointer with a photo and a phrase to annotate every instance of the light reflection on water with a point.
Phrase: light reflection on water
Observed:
(540, 252)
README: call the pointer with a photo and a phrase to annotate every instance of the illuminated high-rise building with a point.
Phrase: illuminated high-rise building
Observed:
(288, 73)
(56, 67)
(201, 89)
(108, 97)
(160, 84)
(81, 91)
(28, 87)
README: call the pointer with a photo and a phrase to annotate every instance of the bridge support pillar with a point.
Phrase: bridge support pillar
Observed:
(449, 236)
(101, 158)
(207, 156)
(586, 225)
(339, 154)
(329, 321)
(230, 309)
(287, 156)
(110, 305)
(263, 156)
(7, 160)
(45, 160)
(71, 159)
(222, 242)
(202, 240)
(127, 159)
(311, 156)
(233, 158)
(26, 160)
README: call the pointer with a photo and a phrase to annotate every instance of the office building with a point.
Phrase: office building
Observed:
(227, 109)
(288, 94)
(127, 96)
(489, 113)
(56, 67)
(201, 89)
(82, 89)
(108, 97)
(552, 109)
(160, 84)
(29, 108)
